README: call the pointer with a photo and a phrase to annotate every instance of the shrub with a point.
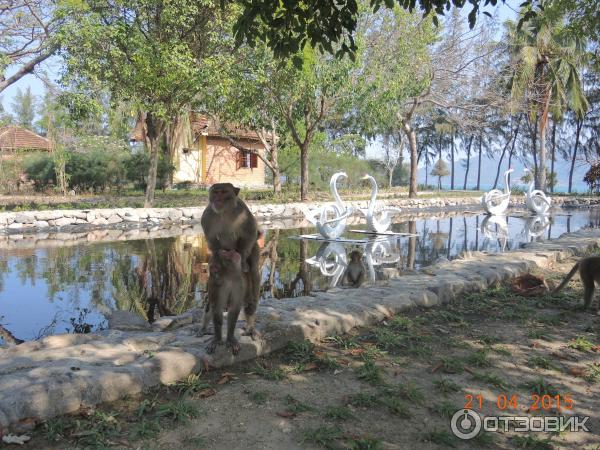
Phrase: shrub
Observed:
(136, 169)
(40, 169)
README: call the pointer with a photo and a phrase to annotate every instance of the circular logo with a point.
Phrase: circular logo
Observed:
(465, 424)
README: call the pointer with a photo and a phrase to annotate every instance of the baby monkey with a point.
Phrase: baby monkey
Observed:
(355, 272)
(589, 272)
(226, 289)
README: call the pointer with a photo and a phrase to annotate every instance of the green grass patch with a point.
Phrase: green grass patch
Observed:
(370, 373)
(582, 344)
(338, 413)
(490, 378)
(446, 386)
(324, 436)
(179, 410)
(540, 387)
(440, 437)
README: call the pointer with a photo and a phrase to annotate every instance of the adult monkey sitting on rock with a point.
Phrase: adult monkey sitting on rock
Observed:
(228, 224)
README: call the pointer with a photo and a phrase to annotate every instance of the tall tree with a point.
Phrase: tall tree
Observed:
(23, 106)
(154, 53)
(545, 64)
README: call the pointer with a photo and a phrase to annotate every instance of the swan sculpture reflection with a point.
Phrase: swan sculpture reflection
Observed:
(330, 228)
(536, 200)
(535, 227)
(495, 201)
(331, 260)
(374, 224)
(495, 227)
(381, 251)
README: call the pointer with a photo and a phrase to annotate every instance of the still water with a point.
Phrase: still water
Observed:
(71, 288)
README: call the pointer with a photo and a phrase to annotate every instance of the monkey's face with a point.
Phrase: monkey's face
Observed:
(355, 256)
(222, 196)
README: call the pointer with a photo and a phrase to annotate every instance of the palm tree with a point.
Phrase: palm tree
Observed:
(544, 72)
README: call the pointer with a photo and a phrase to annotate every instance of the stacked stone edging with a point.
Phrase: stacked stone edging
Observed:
(61, 374)
(127, 218)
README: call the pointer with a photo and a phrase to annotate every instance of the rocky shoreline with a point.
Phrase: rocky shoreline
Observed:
(129, 218)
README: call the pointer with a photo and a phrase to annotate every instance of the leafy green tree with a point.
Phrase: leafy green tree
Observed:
(440, 169)
(5, 118)
(304, 98)
(23, 106)
(545, 63)
(156, 54)
(287, 26)
(394, 78)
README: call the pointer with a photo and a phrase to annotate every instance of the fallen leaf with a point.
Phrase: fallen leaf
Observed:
(319, 354)
(578, 371)
(225, 378)
(310, 366)
(286, 414)
(468, 370)
(13, 439)
(436, 368)
(206, 364)
(356, 351)
(26, 425)
(596, 348)
(534, 345)
(207, 393)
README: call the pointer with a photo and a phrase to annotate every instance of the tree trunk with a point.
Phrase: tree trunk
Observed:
(452, 161)
(412, 141)
(479, 163)
(514, 138)
(578, 131)
(412, 245)
(534, 153)
(304, 171)
(155, 128)
(468, 161)
(426, 171)
(543, 126)
(553, 155)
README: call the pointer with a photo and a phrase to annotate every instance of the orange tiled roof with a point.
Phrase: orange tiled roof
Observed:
(14, 137)
(201, 125)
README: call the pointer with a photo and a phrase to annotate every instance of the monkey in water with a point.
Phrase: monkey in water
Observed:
(589, 272)
(355, 272)
(226, 289)
(228, 224)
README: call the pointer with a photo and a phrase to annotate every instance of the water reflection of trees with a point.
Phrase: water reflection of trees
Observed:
(161, 280)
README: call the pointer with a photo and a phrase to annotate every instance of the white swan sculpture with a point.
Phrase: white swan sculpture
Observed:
(381, 224)
(537, 202)
(381, 251)
(330, 228)
(495, 201)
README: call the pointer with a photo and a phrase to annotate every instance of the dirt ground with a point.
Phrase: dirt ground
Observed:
(392, 386)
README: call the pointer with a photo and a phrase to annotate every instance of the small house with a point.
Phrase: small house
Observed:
(203, 153)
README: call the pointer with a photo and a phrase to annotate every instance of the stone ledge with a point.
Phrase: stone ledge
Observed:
(60, 374)
(144, 218)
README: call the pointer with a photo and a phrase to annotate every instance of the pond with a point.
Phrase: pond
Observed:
(72, 288)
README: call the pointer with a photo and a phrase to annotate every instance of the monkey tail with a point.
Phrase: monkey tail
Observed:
(567, 278)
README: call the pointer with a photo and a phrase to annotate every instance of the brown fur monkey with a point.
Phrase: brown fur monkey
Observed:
(228, 224)
(355, 272)
(226, 289)
(589, 272)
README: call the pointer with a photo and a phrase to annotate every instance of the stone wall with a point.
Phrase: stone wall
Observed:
(76, 220)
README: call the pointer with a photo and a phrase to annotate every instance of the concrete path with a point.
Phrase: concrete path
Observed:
(60, 374)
